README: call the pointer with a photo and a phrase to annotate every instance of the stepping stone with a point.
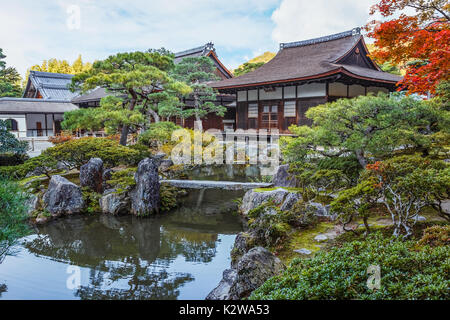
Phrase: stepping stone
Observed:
(304, 251)
(320, 238)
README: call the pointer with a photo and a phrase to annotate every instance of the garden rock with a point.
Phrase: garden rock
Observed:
(222, 291)
(291, 199)
(320, 238)
(254, 268)
(243, 243)
(32, 203)
(165, 165)
(282, 178)
(145, 198)
(253, 199)
(115, 203)
(91, 175)
(320, 210)
(63, 197)
(304, 251)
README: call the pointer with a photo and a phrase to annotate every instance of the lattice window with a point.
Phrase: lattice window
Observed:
(289, 109)
(253, 110)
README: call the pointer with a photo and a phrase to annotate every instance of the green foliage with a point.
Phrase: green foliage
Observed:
(42, 164)
(435, 236)
(12, 159)
(270, 225)
(407, 184)
(140, 86)
(13, 215)
(123, 180)
(196, 72)
(92, 200)
(78, 152)
(158, 134)
(314, 181)
(9, 144)
(248, 67)
(169, 197)
(341, 273)
(356, 202)
(367, 127)
(9, 79)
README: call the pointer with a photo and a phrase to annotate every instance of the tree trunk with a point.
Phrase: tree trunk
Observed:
(154, 115)
(361, 159)
(124, 135)
(125, 128)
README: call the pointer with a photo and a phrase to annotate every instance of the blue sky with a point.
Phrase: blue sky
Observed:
(31, 31)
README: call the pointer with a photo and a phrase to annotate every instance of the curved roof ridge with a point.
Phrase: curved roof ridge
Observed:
(350, 33)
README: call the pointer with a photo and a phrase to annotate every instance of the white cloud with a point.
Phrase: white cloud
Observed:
(31, 31)
(305, 19)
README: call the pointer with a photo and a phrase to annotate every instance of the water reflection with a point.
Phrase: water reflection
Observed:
(166, 257)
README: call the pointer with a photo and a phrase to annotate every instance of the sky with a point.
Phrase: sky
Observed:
(32, 31)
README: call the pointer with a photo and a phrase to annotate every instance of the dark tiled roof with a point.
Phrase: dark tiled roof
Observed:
(194, 52)
(24, 105)
(52, 86)
(93, 95)
(308, 59)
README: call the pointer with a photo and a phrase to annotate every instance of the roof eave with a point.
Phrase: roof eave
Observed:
(317, 76)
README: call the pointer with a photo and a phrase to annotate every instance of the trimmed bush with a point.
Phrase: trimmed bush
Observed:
(407, 272)
(158, 134)
(435, 236)
(77, 152)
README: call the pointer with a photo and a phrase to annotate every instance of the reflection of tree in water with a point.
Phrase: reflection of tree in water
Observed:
(142, 283)
(3, 288)
(127, 255)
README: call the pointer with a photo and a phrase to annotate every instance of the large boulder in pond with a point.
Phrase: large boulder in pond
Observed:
(63, 197)
(282, 178)
(254, 198)
(145, 197)
(115, 203)
(254, 268)
(91, 175)
(222, 291)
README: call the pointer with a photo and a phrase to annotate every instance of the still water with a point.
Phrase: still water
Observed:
(178, 255)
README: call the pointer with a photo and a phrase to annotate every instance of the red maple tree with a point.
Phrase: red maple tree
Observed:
(419, 42)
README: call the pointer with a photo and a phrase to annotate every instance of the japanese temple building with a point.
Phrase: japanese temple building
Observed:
(92, 98)
(40, 112)
(302, 75)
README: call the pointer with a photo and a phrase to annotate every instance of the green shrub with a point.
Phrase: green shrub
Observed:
(43, 164)
(9, 143)
(269, 224)
(158, 134)
(169, 197)
(435, 236)
(78, 152)
(13, 215)
(12, 159)
(123, 180)
(92, 200)
(341, 273)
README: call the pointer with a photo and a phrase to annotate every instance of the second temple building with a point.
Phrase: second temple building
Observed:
(302, 75)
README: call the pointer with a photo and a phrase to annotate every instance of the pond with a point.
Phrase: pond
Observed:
(178, 255)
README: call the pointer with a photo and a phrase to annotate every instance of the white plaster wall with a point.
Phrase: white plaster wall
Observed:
(312, 90)
(252, 95)
(337, 89)
(242, 96)
(21, 123)
(271, 95)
